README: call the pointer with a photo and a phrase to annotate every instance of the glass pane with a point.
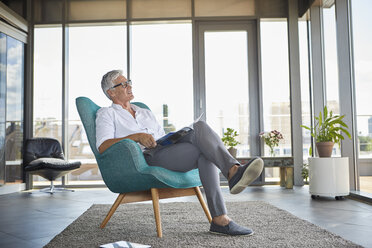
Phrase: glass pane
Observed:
(305, 94)
(305, 87)
(362, 29)
(48, 83)
(93, 51)
(162, 72)
(2, 105)
(275, 88)
(226, 80)
(275, 83)
(14, 110)
(331, 65)
(330, 53)
(47, 87)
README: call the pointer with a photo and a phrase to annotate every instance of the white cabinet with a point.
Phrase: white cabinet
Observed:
(329, 177)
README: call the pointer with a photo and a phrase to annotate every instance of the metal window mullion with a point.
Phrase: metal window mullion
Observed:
(317, 58)
(347, 87)
(295, 91)
(310, 68)
(65, 41)
(29, 87)
(254, 90)
(6, 102)
(259, 92)
(200, 102)
(259, 81)
(129, 38)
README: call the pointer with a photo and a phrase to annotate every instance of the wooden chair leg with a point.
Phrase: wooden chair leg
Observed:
(202, 202)
(112, 210)
(155, 203)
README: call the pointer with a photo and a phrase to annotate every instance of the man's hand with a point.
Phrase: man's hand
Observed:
(146, 140)
(143, 138)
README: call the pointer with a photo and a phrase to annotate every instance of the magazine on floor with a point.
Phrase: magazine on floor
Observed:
(172, 137)
(124, 244)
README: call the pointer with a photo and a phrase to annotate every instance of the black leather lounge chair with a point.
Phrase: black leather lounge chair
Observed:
(44, 157)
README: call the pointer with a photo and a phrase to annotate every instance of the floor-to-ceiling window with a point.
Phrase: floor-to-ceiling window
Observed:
(227, 84)
(362, 39)
(331, 65)
(14, 110)
(330, 56)
(161, 71)
(93, 51)
(275, 88)
(48, 82)
(11, 109)
(47, 87)
(160, 62)
(305, 89)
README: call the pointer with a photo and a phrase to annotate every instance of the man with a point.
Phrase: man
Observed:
(202, 148)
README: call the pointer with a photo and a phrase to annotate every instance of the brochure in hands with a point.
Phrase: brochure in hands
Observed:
(124, 244)
(171, 138)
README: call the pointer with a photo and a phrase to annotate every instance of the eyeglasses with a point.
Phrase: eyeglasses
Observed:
(125, 85)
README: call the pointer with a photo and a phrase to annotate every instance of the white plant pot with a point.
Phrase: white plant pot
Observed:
(329, 177)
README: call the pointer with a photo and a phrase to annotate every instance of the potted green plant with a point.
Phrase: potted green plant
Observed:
(327, 132)
(305, 172)
(229, 141)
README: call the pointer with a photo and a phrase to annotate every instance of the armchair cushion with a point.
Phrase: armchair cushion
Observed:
(52, 163)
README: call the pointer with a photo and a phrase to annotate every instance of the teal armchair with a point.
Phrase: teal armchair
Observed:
(125, 171)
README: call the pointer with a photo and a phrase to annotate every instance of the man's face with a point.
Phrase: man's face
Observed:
(122, 93)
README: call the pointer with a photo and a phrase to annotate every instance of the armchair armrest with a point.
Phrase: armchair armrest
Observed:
(124, 169)
(119, 166)
(124, 150)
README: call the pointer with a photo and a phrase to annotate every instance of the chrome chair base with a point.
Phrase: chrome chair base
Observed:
(51, 190)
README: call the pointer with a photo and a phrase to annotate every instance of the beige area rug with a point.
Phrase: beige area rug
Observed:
(185, 225)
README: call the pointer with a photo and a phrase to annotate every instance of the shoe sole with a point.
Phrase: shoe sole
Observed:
(224, 234)
(250, 174)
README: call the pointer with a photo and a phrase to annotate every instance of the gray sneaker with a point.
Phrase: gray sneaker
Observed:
(245, 175)
(232, 229)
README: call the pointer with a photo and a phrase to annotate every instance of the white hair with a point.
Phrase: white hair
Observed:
(108, 80)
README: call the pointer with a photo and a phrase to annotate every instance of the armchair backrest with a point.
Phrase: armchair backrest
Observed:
(87, 110)
(41, 148)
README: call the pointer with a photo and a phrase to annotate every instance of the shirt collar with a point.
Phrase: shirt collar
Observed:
(119, 107)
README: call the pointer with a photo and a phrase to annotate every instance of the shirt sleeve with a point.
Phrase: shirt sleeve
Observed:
(105, 126)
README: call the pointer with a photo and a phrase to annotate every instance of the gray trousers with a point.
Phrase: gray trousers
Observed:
(202, 149)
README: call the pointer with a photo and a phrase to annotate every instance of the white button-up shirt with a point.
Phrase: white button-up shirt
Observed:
(116, 122)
